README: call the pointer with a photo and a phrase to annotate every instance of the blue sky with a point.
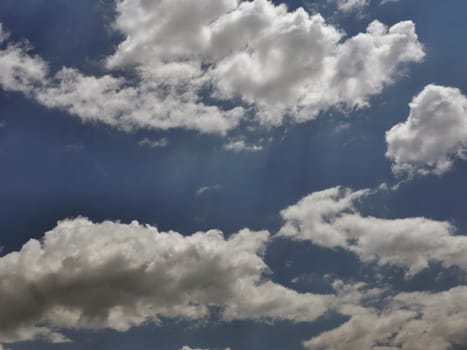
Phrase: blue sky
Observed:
(120, 162)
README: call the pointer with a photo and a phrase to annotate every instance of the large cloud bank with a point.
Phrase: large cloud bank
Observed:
(207, 65)
(84, 275)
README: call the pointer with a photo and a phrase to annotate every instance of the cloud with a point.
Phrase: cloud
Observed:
(433, 136)
(407, 321)
(352, 5)
(238, 146)
(204, 189)
(207, 66)
(160, 143)
(158, 101)
(329, 219)
(19, 71)
(85, 275)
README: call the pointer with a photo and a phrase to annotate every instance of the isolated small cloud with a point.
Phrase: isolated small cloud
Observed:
(160, 143)
(203, 190)
(238, 146)
(434, 135)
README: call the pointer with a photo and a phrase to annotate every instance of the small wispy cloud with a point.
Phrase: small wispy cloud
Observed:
(204, 189)
(160, 143)
(241, 146)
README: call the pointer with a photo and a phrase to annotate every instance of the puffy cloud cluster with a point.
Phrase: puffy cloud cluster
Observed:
(84, 275)
(406, 321)
(433, 136)
(281, 62)
(329, 219)
(203, 65)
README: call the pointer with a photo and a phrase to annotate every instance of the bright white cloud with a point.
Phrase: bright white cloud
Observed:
(279, 61)
(250, 54)
(84, 275)
(330, 219)
(407, 321)
(433, 136)
(352, 5)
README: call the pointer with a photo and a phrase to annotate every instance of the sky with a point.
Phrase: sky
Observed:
(226, 174)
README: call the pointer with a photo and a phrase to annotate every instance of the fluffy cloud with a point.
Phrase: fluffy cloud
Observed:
(157, 101)
(84, 275)
(351, 5)
(407, 321)
(195, 59)
(281, 62)
(433, 136)
(19, 71)
(330, 219)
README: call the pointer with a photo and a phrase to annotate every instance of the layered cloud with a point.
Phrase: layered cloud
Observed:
(208, 65)
(330, 219)
(109, 275)
(85, 275)
(407, 321)
(434, 134)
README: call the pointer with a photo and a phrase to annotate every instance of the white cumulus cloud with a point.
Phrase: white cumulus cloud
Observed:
(433, 136)
(205, 65)
(329, 218)
(85, 275)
